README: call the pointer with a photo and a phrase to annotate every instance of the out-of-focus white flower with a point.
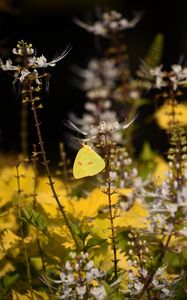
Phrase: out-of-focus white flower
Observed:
(182, 196)
(159, 75)
(183, 231)
(81, 291)
(89, 265)
(111, 22)
(172, 208)
(113, 175)
(138, 286)
(93, 273)
(99, 292)
(100, 74)
(68, 266)
(165, 291)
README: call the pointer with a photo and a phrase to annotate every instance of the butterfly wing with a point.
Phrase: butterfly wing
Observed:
(87, 163)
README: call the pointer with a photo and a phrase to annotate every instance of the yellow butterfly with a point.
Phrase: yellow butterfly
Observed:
(87, 163)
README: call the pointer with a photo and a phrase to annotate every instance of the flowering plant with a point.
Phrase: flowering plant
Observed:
(122, 233)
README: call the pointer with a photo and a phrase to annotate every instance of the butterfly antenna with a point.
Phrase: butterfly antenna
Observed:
(73, 127)
(128, 124)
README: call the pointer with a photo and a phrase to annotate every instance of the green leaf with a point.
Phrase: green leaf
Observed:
(94, 242)
(35, 218)
(76, 229)
(9, 280)
(173, 260)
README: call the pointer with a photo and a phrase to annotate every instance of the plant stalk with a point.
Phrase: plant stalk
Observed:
(111, 216)
(46, 164)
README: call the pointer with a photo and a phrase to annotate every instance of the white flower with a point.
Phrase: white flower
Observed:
(98, 292)
(129, 262)
(81, 291)
(138, 286)
(159, 75)
(176, 68)
(90, 106)
(144, 273)
(72, 254)
(165, 291)
(98, 29)
(68, 266)
(182, 196)
(155, 282)
(41, 61)
(17, 51)
(125, 24)
(32, 61)
(29, 51)
(172, 208)
(130, 274)
(113, 175)
(89, 265)
(70, 278)
(183, 231)
(8, 66)
(66, 293)
(94, 273)
(24, 73)
(110, 22)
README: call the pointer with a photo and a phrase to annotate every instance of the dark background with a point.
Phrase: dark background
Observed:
(49, 25)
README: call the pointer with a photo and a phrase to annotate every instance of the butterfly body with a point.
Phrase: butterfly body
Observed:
(87, 163)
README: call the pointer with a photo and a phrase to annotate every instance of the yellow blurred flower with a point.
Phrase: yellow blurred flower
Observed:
(163, 115)
(8, 219)
(37, 295)
(7, 267)
(88, 207)
(105, 258)
(136, 217)
(46, 199)
(8, 183)
(9, 239)
(160, 170)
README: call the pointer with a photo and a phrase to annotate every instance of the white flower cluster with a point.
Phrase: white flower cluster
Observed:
(138, 275)
(123, 174)
(109, 125)
(176, 77)
(80, 279)
(102, 77)
(111, 23)
(164, 207)
(100, 74)
(30, 63)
